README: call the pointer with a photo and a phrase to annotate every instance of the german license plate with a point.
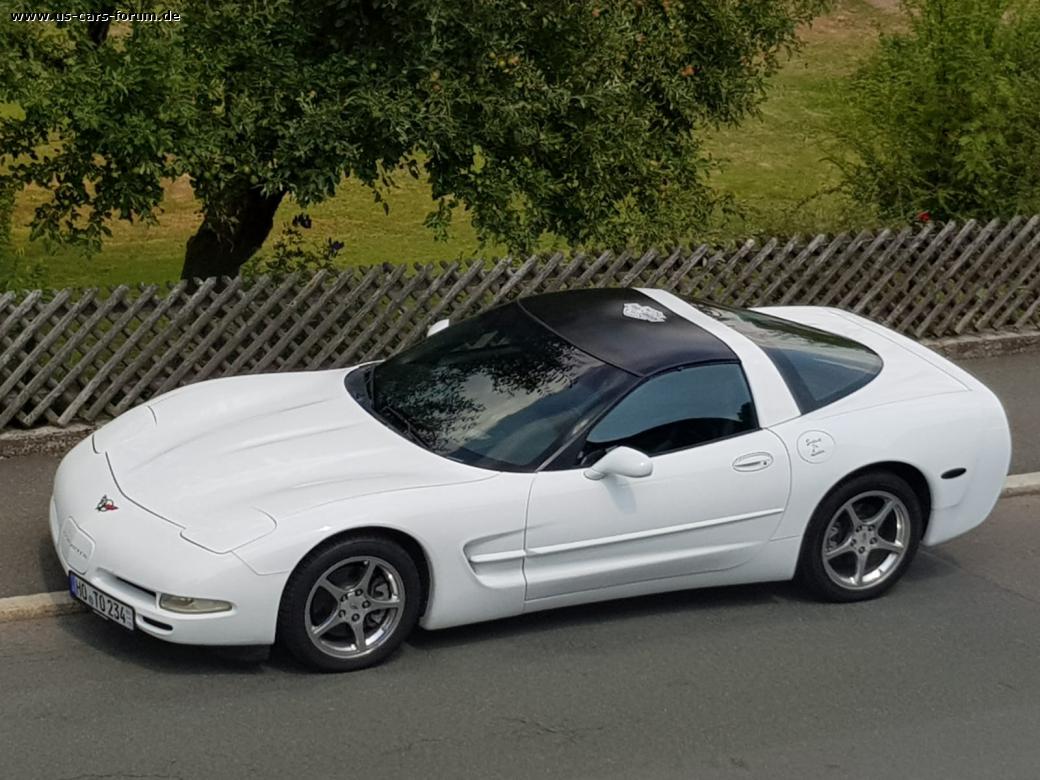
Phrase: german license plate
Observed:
(99, 601)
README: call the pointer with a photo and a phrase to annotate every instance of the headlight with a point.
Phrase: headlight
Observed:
(192, 606)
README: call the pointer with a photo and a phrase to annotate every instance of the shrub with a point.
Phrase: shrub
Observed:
(943, 120)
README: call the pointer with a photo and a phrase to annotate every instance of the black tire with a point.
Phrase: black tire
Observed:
(340, 565)
(812, 567)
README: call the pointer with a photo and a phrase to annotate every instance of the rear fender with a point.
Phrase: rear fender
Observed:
(933, 435)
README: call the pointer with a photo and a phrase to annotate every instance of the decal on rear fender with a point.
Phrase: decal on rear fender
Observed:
(815, 446)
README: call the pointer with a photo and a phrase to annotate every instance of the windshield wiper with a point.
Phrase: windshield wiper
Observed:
(370, 384)
(409, 428)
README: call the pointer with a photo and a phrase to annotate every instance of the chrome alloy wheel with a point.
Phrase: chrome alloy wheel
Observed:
(354, 607)
(866, 539)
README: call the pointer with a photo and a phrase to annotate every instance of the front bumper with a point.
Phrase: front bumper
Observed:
(135, 556)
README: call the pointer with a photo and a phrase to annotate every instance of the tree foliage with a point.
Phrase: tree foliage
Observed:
(576, 118)
(944, 119)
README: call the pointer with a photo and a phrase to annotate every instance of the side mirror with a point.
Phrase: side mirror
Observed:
(622, 462)
(437, 327)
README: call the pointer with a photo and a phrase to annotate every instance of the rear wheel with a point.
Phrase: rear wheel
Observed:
(350, 604)
(862, 537)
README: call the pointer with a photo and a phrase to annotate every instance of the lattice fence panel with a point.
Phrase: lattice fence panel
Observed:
(83, 355)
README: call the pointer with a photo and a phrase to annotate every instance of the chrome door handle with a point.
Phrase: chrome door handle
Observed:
(755, 461)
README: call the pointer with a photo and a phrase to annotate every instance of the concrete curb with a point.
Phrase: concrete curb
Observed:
(988, 345)
(40, 605)
(47, 440)
(1021, 485)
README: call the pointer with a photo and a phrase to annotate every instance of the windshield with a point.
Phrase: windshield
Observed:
(499, 391)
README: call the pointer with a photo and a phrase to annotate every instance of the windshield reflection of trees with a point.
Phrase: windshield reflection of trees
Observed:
(792, 336)
(494, 387)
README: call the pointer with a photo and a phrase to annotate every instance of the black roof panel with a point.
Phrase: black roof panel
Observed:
(641, 342)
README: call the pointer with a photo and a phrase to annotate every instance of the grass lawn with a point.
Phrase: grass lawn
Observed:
(774, 164)
(142, 253)
(770, 164)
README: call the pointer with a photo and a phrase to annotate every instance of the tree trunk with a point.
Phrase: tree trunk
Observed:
(220, 247)
(98, 31)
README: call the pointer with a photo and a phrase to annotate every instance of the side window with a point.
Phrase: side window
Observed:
(676, 410)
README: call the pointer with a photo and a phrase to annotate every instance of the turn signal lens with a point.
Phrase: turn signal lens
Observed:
(192, 606)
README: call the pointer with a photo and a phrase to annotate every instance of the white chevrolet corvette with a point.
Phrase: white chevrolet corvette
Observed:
(561, 449)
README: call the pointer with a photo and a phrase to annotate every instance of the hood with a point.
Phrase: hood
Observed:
(229, 459)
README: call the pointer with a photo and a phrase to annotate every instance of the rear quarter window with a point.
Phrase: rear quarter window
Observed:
(818, 367)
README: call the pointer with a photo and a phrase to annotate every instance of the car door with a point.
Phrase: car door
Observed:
(718, 489)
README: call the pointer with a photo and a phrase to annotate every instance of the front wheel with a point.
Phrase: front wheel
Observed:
(862, 537)
(350, 604)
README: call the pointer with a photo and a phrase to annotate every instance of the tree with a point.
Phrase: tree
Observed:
(944, 119)
(567, 117)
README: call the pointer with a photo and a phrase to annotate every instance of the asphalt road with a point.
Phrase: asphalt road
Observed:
(1016, 381)
(27, 560)
(28, 564)
(938, 679)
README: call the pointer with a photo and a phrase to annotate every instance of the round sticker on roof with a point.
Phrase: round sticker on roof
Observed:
(638, 311)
